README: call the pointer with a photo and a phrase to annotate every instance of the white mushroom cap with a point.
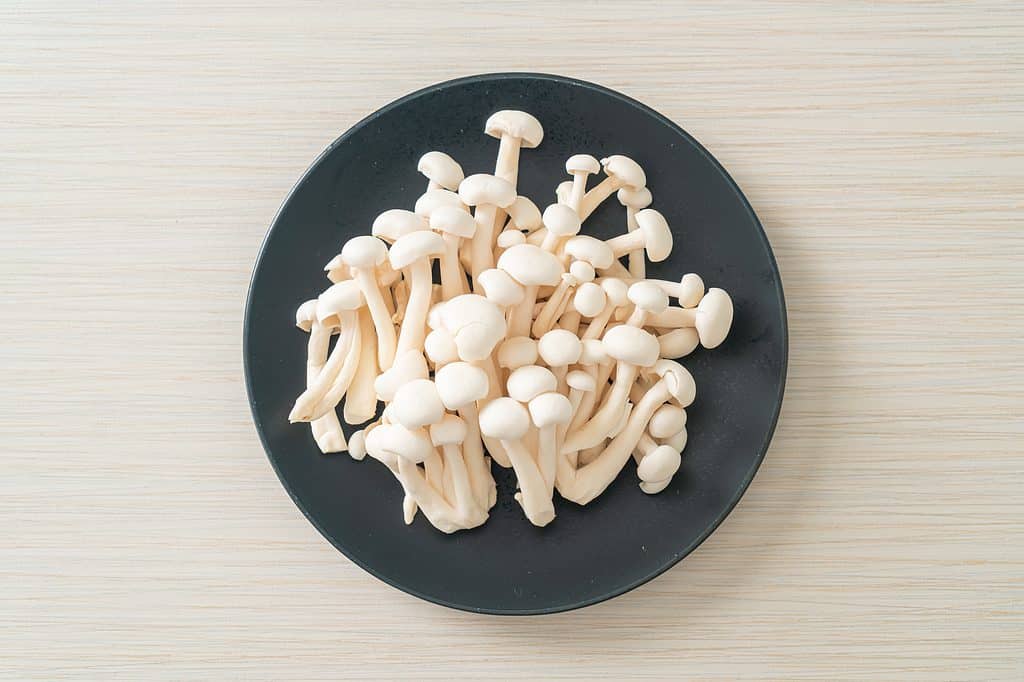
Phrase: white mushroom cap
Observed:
(394, 440)
(408, 366)
(477, 325)
(357, 445)
(500, 288)
(433, 199)
(594, 352)
(531, 265)
(659, 464)
(518, 124)
(631, 345)
(559, 348)
(667, 421)
(451, 430)
(616, 290)
(678, 441)
(337, 270)
(397, 222)
(657, 235)
(364, 252)
(655, 487)
(677, 380)
(581, 381)
(561, 220)
(504, 419)
(678, 342)
(439, 345)
(414, 246)
(582, 271)
(524, 214)
(591, 250)
(549, 409)
(510, 238)
(416, 404)
(305, 315)
(338, 298)
(714, 317)
(517, 351)
(647, 296)
(460, 383)
(589, 299)
(582, 163)
(635, 197)
(528, 382)
(562, 191)
(452, 220)
(486, 189)
(691, 290)
(625, 170)
(440, 168)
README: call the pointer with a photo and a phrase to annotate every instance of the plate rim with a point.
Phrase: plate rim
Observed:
(733, 185)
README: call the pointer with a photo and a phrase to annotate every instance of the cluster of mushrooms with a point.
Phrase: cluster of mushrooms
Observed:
(538, 348)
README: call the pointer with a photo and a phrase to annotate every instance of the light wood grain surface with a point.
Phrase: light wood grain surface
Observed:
(146, 146)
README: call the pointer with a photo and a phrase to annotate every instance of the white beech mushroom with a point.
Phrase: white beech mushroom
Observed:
(549, 411)
(532, 267)
(712, 318)
(523, 216)
(621, 171)
(441, 170)
(454, 225)
(434, 199)
(515, 129)
(580, 272)
(363, 255)
(460, 385)
(486, 193)
(448, 434)
(653, 236)
(327, 429)
(413, 253)
(361, 398)
(678, 342)
(688, 290)
(517, 351)
(635, 199)
(579, 166)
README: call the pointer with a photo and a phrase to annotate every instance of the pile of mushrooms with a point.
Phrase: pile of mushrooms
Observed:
(536, 347)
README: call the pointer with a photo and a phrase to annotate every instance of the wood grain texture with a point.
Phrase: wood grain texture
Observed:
(146, 146)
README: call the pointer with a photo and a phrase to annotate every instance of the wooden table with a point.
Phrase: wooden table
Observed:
(145, 149)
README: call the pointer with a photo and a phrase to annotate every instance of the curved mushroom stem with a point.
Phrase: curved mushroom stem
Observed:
(554, 306)
(644, 445)
(440, 514)
(598, 324)
(453, 278)
(482, 244)
(592, 199)
(637, 262)
(335, 376)
(361, 402)
(415, 323)
(532, 495)
(627, 243)
(381, 317)
(466, 502)
(591, 433)
(589, 455)
(327, 429)
(473, 454)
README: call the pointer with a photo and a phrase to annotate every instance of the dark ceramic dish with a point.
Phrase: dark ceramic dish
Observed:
(622, 539)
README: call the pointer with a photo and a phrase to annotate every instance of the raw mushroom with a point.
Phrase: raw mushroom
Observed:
(580, 272)
(517, 351)
(327, 429)
(515, 129)
(635, 199)
(460, 385)
(499, 288)
(523, 215)
(678, 342)
(653, 236)
(413, 252)
(549, 412)
(448, 434)
(441, 170)
(621, 171)
(487, 193)
(532, 267)
(363, 255)
(361, 399)
(712, 318)
(454, 225)
(688, 290)
(434, 199)
(395, 223)
(579, 166)
(561, 223)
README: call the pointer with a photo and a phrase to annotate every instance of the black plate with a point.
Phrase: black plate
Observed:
(623, 538)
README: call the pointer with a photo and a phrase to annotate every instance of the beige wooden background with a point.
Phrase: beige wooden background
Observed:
(145, 146)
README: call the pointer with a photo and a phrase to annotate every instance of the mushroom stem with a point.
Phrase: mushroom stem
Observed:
(597, 324)
(494, 446)
(473, 454)
(637, 262)
(674, 318)
(553, 307)
(547, 455)
(521, 314)
(453, 278)
(434, 507)
(466, 501)
(592, 199)
(535, 503)
(327, 429)
(415, 322)
(481, 245)
(361, 402)
(381, 317)
(570, 321)
(626, 243)
(591, 433)
(313, 403)
(506, 166)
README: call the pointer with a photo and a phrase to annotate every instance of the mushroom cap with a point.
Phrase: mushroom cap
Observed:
(667, 421)
(531, 265)
(529, 381)
(678, 342)
(678, 441)
(439, 346)
(616, 290)
(631, 345)
(417, 404)
(635, 197)
(509, 238)
(714, 317)
(581, 381)
(660, 463)
(394, 440)
(525, 214)
(452, 220)
(364, 252)
(499, 286)
(433, 199)
(562, 191)
(691, 290)
(561, 220)
(625, 170)
(517, 124)
(549, 409)
(407, 367)
(357, 445)
(486, 189)
(677, 380)
(582, 271)
(337, 270)
(582, 163)
(594, 352)
(441, 168)
(338, 298)
(397, 222)
(657, 235)
(589, 299)
(504, 419)
(655, 487)
(591, 250)
(305, 315)
(647, 296)
(476, 324)
(460, 383)
(414, 246)
(451, 430)
(559, 348)
(517, 351)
